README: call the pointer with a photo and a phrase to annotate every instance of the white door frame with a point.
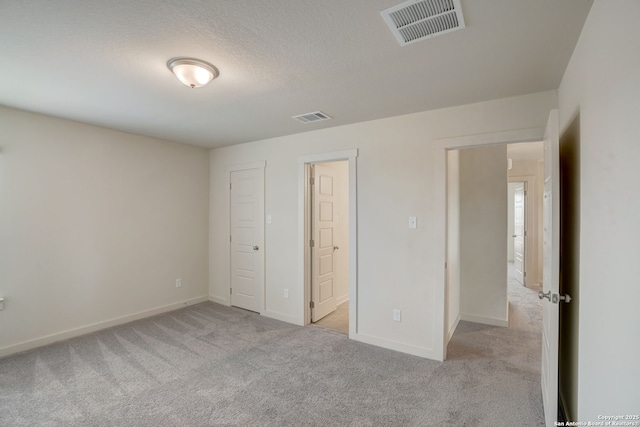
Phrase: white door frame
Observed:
(305, 234)
(439, 278)
(240, 167)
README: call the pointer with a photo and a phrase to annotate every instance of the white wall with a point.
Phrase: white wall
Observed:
(602, 84)
(95, 226)
(483, 229)
(341, 169)
(524, 168)
(395, 169)
(453, 241)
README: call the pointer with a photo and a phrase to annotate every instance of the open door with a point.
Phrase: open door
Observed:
(550, 271)
(519, 233)
(323, 271)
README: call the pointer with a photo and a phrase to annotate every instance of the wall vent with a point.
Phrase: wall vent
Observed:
(416, 20)
(316, 116)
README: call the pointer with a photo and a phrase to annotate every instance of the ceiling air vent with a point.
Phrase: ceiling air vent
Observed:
(416, 20)
(316, 116)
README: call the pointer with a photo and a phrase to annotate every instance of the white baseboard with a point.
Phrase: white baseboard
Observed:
(271, 314)
(414, 350)
(218, 300)
(492, 321)
(342, 299)
(452, 330)
(72, 333)
(283, 317)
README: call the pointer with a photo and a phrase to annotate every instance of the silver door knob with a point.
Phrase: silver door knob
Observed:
(542, 295)
(514, 235)
(255, 248)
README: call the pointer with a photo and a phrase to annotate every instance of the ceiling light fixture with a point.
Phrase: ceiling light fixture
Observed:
(193, 72)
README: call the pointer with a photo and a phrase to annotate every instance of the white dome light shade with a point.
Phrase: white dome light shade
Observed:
(193, 72)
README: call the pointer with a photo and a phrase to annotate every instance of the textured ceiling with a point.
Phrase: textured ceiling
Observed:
(104, 62)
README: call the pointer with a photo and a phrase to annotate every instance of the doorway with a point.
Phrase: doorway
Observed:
(329, 228)
(517, 229)
(444, 245)
(524, 228)
(492, 211)
(328, 249)
(550, 179)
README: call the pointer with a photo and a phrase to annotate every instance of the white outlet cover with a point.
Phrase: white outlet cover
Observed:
(286, 293)
(178, 283)
(397, 315)
(413, 222)
(268, 219)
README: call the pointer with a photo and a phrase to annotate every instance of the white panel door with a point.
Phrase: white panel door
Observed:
(550, 271)
(519, 232)
(247, 236)
(323, 220)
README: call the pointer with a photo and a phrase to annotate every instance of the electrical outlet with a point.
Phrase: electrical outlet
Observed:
(286, 293)
(413, 222)
(397, 315)
(178, 283)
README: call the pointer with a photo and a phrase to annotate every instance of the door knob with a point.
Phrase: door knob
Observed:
(255, 248)
(514, 235)
(335, 248)
(542, 295)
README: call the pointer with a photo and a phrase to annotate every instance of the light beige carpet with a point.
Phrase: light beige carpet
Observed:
(210, 365)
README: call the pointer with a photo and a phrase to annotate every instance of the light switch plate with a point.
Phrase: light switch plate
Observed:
(268, 219)
(413, 222)
(397, 315)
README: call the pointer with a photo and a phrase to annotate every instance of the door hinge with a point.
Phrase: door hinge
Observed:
(230, 239)
(230, 185)
(525, 234)
(312, 181)
(311, 243)
(445, 265)
(230, 291)
(524, 274)
(312, 304)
